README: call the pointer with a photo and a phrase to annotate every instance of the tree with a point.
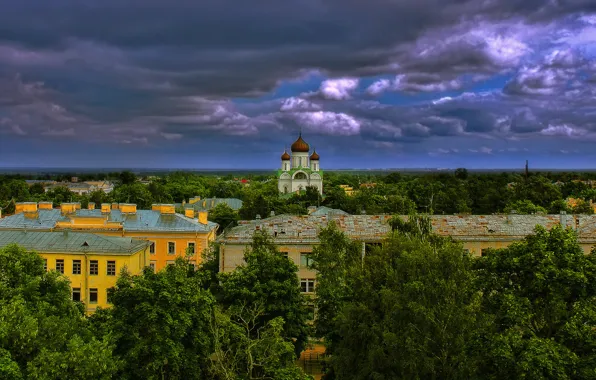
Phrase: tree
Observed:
(127, 178)
(334, 259)
(461, 173)
(223, 215)
(412, 312)
(43, 334)
(160, 323)
(541, 295)
(243, 349)
(268, 278)
(136, 193)
(524, 207)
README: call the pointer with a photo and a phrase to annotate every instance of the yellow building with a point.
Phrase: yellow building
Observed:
(349, 190)
(171, 235)
(91, 262)
(297, 235)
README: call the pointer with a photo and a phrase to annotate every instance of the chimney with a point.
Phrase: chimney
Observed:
(68, 208)
(510, 216)
(65, 233)
(105, 208)
(91, 206)
(25, 207)
(563, 219)
(203, 217)
(272, 213)
(128, 208)
(45, 205)
(115, 206)
(164, 208)
(189, 212)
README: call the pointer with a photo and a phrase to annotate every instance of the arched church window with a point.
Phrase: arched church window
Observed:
(300, 175)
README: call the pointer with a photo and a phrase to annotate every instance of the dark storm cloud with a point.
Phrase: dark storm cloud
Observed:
(147, 72)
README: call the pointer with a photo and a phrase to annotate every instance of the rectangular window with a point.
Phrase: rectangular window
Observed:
(152, 265)
(170, 263)
(93, 267)
(111, 268)
(60, 265)
(171, 248)
(307, 285)
(192, 266)
(76, 294)
(284, 254)
(305, 260)
(45, 264)
(93, 295)
(152, 248)
(484, 251)
(191, 248)
(108, 297)
(76, 267)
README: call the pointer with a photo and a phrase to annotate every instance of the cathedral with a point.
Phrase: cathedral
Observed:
(300, 169)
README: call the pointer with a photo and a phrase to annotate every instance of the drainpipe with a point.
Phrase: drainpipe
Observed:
(85, 283)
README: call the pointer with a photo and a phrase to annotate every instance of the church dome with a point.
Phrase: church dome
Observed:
(300, 145)
(314, 156)
(285, 156)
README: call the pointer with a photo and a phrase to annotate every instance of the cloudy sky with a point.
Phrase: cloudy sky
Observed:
(229, 83)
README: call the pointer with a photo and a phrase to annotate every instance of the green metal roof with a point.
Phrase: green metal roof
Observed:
(72, 242)
(142, 220)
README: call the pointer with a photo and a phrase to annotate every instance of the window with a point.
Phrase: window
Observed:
(284, 254)
(484, 251)
(108, 296)
(60, 265)
(76, 294)
(307, 285)
(305, 260)
(191, 248)
(192, 266)
(152, 265)
(76, 267)
(171, 248)
(152, 248)
(93, 267)
(93, 295)
(45, 264)
(111, 268)
(170, 263)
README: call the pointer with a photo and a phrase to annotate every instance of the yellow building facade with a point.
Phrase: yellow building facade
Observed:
(170, 234)
(92, 263)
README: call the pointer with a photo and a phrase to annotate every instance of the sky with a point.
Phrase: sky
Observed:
(229, 84)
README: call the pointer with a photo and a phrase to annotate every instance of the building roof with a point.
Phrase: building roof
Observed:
(304, 229)
(61, 242)
(209, 203)
(300, 145)
(323, 210)
(142, 220)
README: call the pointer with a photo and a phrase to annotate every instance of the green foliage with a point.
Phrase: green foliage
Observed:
(159, 323)
(134, 193)
(524, 207)
(411, 313)
(245, 349)
(43, 334)
(223, 215)
(541, 295)
(267, 278)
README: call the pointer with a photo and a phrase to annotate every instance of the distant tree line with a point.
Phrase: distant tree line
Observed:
(393, 193)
